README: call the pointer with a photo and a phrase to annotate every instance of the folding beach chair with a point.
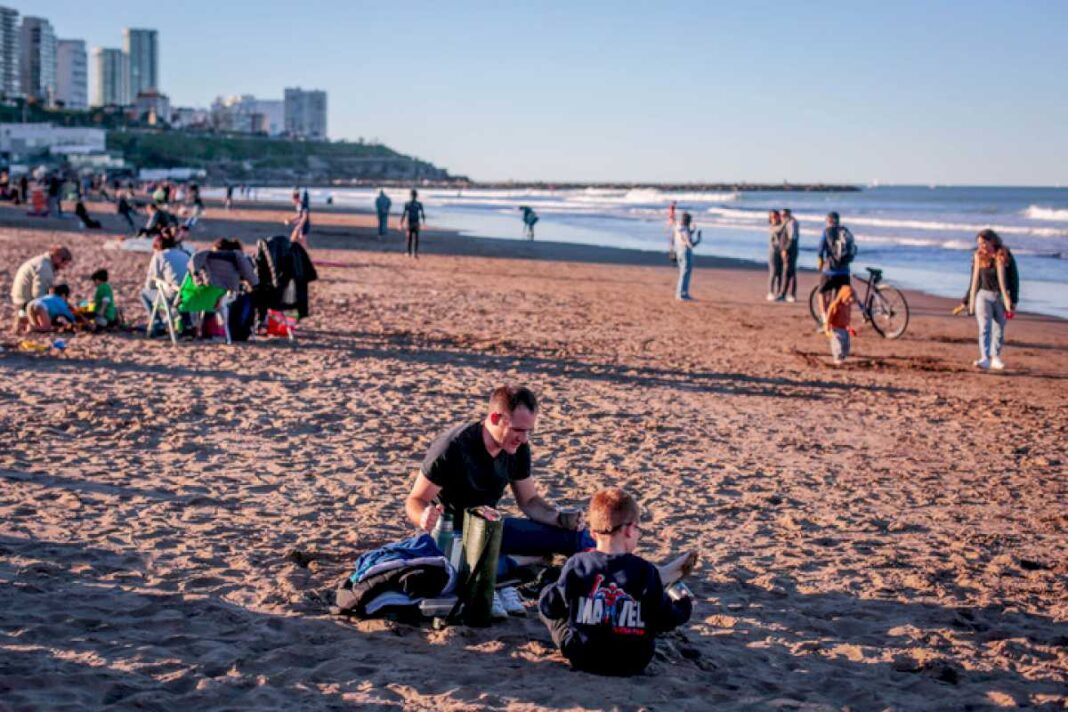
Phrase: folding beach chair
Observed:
(167, 307)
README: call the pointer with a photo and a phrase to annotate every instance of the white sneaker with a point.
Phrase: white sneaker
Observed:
(497, 611)
(997, 364)
(770, 297)
(982, 363)
(791, 298)
(512, 601)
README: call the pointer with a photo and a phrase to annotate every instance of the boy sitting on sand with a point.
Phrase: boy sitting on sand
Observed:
(52, 312)
(609, 604)
(837, 327)
(102, 306)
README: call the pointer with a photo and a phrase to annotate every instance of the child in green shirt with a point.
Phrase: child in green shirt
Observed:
(105, 314)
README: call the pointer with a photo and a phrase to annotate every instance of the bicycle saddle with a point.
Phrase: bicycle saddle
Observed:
(876, 274)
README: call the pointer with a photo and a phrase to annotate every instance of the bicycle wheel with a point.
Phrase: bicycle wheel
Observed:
(889, 311)
(813, 304)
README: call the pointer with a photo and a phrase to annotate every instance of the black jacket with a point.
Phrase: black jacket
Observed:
(279, 261)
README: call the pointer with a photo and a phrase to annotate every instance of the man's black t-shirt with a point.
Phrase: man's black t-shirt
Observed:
(459, 463)
(614, 605)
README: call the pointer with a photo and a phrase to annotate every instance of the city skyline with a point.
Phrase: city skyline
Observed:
(948, 94)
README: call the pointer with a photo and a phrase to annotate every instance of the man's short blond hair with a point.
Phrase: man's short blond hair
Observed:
(610, 509)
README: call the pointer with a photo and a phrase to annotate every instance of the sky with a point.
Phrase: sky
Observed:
(919, 92)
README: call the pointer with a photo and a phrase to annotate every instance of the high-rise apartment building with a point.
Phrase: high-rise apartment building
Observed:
(109, 77)
(142, 53)
(9, 52)
(305, 113)
(72, 74)
(37, 63)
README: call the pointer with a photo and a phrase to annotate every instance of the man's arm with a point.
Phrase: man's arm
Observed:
(532, 504)
(421, 512)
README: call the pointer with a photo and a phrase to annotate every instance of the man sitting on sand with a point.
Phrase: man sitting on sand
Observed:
(34, 279)
(470, 465)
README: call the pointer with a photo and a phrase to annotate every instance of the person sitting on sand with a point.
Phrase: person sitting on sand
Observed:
(105, 314)
(51, 312)
(34, 279)
(608, 606)
(158, 218)
(471, 464)
(84, 217)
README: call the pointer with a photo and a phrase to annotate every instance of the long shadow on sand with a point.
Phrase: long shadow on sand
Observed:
(73, 631)
(451, 352)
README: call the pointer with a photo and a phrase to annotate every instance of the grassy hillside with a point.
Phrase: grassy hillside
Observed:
(238, 157)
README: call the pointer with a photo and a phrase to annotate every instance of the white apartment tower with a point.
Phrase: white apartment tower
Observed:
(305, 113)
(109, 75)
(9, 52)
(37, 63)
(142, 53)
(72, 74)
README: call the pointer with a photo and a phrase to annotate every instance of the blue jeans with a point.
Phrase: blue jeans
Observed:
(990, 313)
(685, 257)
(525, 537)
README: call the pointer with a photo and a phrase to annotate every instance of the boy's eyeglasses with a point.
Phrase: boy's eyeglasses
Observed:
(616, 528)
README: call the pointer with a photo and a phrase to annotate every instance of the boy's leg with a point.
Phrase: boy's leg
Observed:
(558, 629)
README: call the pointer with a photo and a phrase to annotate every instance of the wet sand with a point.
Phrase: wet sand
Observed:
(889, 534)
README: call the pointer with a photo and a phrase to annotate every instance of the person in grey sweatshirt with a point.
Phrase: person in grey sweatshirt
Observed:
(791, 241)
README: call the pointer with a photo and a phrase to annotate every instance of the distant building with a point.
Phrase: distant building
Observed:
(305, 113)
(17, 140)
(37, 62)
(153, 107)
(142, 52)
(247, 114)
(72, 74)
(185, 117)
(10, 56)
(109, 77)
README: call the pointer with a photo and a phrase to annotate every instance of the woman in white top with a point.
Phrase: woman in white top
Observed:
(685, 241)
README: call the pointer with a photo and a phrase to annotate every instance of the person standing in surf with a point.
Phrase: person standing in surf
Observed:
(413, 217)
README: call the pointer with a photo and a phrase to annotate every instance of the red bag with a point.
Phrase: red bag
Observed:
(278, 324)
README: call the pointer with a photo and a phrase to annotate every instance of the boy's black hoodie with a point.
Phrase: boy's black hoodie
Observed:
(606, 609)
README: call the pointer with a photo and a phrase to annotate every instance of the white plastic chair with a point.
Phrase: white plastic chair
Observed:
(162, 305)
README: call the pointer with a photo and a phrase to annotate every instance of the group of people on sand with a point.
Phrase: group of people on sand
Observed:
(412, 218)
(992, 295)
(42, 304)
(608, 604)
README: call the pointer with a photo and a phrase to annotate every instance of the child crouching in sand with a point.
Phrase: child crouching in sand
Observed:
(51, 313)
(837, 327)
(609, 604)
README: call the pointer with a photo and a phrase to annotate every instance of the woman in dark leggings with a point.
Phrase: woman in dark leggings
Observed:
(775, 227)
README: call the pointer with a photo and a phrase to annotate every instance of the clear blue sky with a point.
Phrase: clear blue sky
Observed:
(907, 91)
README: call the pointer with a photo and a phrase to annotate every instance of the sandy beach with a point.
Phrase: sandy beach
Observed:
(890, 534)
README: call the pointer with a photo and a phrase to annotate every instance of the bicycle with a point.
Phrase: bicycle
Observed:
(883, 306)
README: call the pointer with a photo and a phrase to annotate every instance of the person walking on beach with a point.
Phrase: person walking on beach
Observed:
(685, 241)
(301, 222)
(229, 197)
(992, 295)
(34, 279)
(529, 219)
(775, 250)
(836, 252)
(791, 244)
(413, 216)
(382, 206)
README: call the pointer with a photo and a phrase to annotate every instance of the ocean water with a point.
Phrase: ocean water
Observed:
(921, 236)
